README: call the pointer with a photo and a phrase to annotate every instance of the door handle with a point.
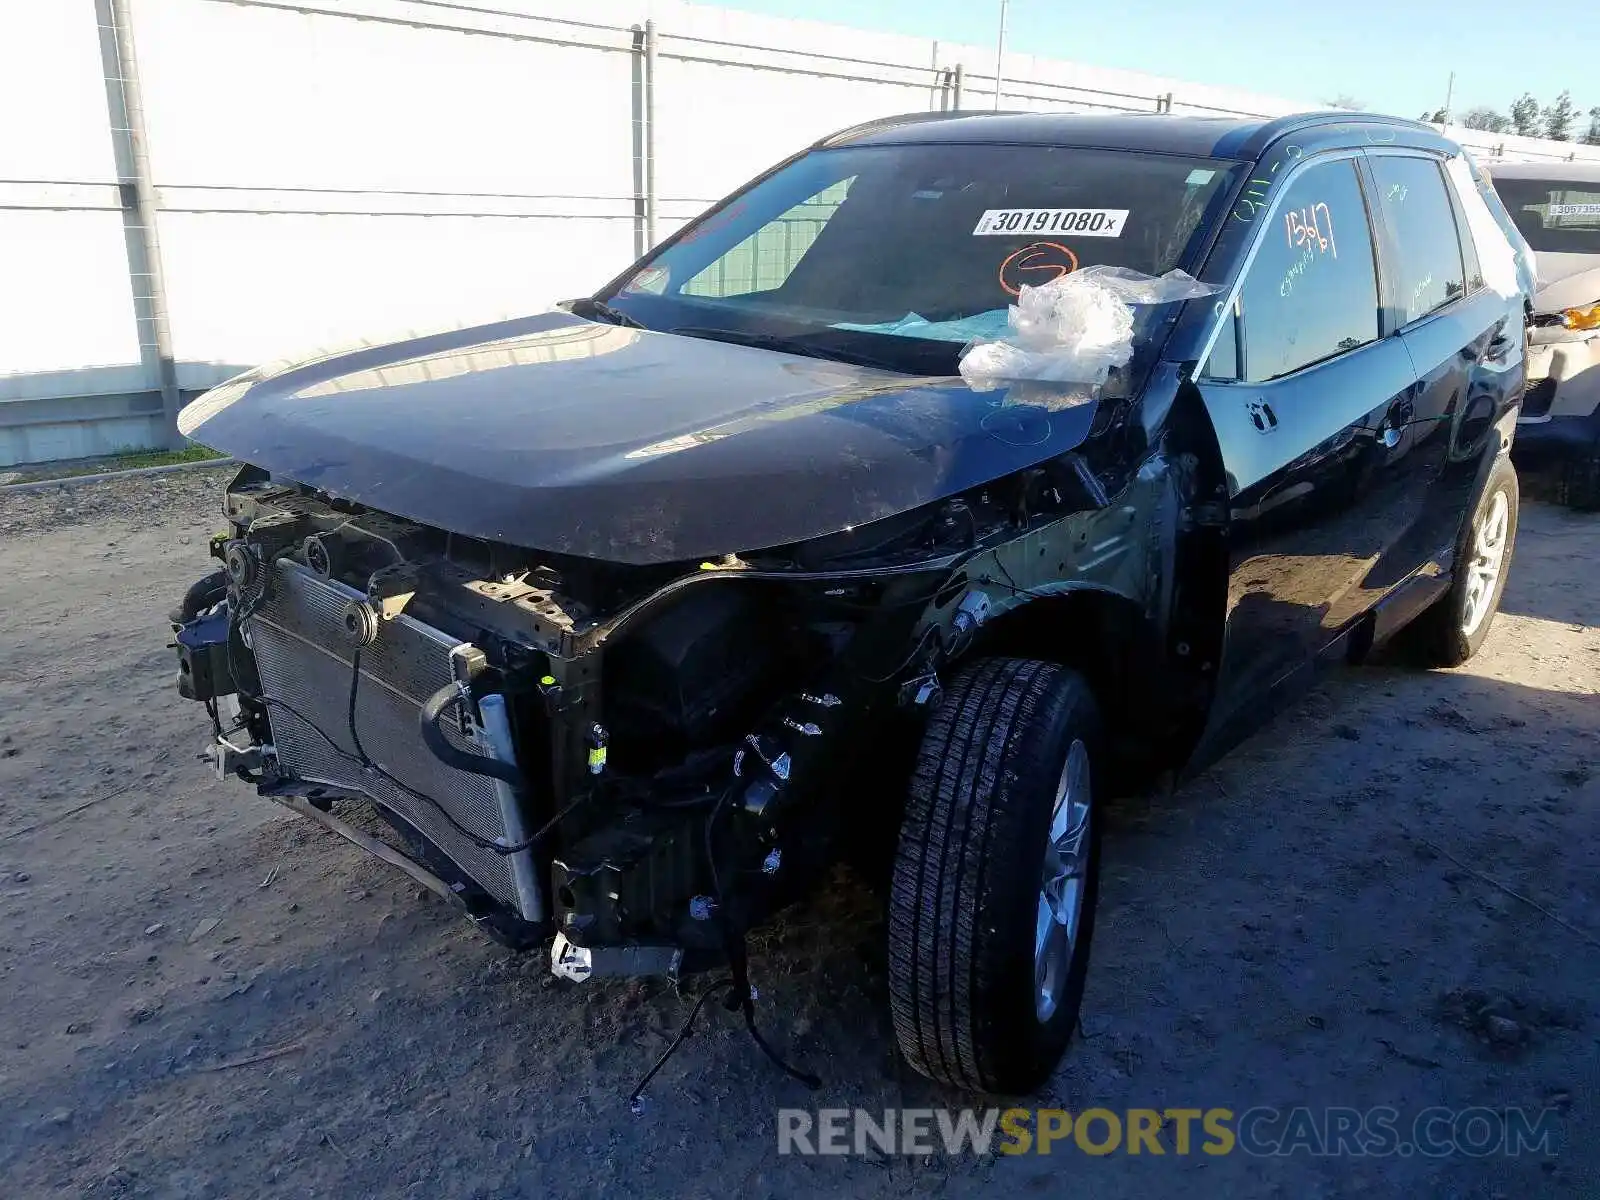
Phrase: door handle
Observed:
(1261, 415)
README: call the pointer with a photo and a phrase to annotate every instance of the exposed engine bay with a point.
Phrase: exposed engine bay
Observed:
(644, 761)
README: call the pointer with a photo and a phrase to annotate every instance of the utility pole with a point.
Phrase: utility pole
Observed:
(1449, 94)
(1000, 54)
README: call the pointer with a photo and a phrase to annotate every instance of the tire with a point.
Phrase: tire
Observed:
(202, 594)
(965, 900)
(1446, 634)
(1580, 479)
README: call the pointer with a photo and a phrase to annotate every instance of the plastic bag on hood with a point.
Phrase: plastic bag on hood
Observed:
(1075, 328)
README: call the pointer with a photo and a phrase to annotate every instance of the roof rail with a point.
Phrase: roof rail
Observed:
(912, 118)
(1294, 121)
(1270, 131)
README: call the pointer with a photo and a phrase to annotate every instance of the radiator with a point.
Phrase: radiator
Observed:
(303, 655)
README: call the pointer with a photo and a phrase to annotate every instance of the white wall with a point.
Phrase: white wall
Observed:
(266, 108)
(325, 179)
(65, 299)
(246, 288)
(248, 108)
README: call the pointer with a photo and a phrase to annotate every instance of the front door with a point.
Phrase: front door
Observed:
(1313, 408)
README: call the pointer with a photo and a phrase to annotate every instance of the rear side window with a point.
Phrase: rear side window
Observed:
(1312, 290)
(1422, 226)
(1469, 249)
(1556, 216)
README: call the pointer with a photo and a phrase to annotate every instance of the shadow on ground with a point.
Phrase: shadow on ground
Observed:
(1303, 925)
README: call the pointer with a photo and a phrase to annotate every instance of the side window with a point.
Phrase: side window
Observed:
(1223, 362)
(1422, 225)
(1469, 248)
(1312, 291)
(763, 260)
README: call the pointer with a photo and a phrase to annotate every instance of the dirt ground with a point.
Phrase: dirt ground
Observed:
(202, 996)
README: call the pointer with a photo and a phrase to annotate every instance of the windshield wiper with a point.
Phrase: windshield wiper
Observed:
(588, 306)
(787, 345)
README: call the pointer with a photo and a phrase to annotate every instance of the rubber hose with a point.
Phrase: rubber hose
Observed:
(452, 756)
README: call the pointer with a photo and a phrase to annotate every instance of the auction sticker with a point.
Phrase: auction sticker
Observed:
(1555, 210)
(1081, 222)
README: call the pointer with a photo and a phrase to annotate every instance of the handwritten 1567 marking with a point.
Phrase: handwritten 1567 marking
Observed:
(1311, 226)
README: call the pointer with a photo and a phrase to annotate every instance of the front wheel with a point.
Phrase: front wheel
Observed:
(1455, 628)
(992, 901)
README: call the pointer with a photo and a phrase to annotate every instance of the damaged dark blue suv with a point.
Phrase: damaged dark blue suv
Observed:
(954, 473)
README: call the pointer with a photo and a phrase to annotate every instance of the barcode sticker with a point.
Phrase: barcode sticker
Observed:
(1080, 222)
(1574, 210)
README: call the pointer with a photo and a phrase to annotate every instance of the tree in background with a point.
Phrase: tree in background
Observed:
(1436, 117)
(1344, 100)
(1558, 118)
(1525, 117)
(1486, 119)
(1558, 121)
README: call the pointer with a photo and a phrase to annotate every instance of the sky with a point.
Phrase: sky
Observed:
(1392, 55)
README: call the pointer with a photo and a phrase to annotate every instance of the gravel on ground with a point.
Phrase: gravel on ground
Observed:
(1388, 896)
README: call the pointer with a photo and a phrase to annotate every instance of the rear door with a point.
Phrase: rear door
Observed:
(1312, 407)
(1463, 340)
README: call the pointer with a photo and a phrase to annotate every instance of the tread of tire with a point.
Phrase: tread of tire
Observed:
(1580, 482)
(950, 843)
(1436, 635)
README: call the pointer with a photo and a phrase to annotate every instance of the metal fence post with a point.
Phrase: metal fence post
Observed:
(125, 107)
(960, 84)
(636, 106)
(650, 134)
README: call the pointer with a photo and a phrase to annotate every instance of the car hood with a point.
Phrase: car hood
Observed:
(575, 437)
(1566, 281)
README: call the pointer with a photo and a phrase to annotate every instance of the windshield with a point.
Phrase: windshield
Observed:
(1556, 216)
(900, 255)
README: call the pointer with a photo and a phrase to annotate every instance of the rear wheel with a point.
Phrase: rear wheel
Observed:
(992, 901)
(1454, 629)
(1580, 478)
